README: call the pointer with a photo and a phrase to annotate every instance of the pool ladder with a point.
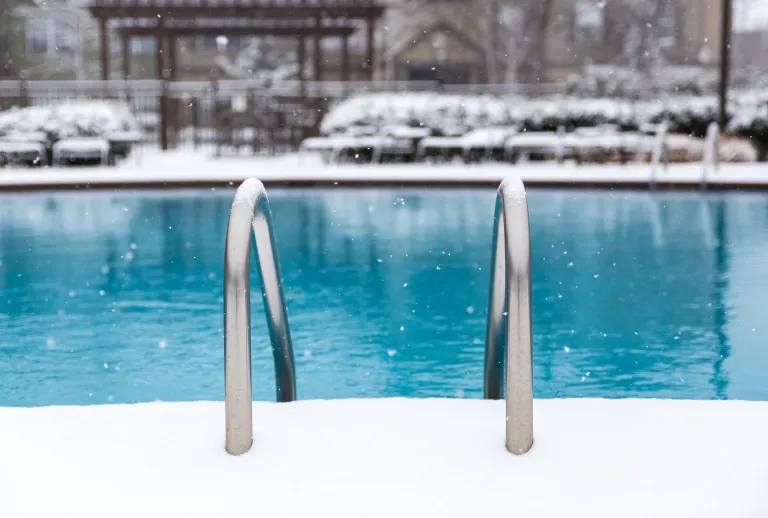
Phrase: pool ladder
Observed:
(710, 157)
(509, 314)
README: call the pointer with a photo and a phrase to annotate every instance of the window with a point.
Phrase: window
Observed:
(207, 44)
(50, 37)
(37, 36)
(142, 46)
(669, 32)
(589, 23)
(115, 43)
(63, 36)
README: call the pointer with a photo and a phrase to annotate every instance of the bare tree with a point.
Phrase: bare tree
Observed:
(530, 48)
(9, 62)
(646, 25)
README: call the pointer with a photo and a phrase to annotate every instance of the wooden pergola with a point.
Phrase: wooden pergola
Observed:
(167, 20)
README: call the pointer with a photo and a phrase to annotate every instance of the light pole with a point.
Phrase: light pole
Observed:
(725, 59)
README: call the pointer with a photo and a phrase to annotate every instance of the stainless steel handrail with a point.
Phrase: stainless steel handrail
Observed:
(711, 156)
(660, 152)
(509, 315)
(251, 214)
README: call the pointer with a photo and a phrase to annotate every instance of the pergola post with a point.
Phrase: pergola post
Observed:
(104, 48)
(301, 57)
(160, 74)
(159, 61)
(345, 58)
(172, 49)
(370, 28)
(318, 55)
(126, 56)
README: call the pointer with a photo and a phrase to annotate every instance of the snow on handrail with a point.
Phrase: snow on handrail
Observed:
(509, 315)
(251, 215)
(660, 153)
(711, 157)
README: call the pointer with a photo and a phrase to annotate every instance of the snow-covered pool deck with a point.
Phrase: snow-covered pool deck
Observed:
(387, 458)
(189, 169)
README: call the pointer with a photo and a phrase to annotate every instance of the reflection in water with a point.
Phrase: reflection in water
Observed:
(119, 297)
(720, 378)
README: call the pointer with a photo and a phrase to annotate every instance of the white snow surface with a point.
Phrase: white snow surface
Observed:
(388, 457)
(185, 167)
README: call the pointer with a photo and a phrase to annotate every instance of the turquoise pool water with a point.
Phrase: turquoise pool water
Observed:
(118, 297)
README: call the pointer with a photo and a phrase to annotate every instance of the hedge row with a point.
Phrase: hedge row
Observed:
(449, 114)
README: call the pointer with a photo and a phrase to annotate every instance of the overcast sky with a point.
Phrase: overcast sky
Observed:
(750, 14)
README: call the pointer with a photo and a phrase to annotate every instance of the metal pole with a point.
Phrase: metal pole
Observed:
(104, 48)
(126, 55)
(370, 29)
(509, 315)
(251, 214)
(725, 60)
(711, 157)
(317, 55)
(659, 154)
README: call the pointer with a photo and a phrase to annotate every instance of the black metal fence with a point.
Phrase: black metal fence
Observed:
(227, 116)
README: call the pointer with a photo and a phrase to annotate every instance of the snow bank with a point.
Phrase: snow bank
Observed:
(182, 168)
(69, 120)
(389, 457)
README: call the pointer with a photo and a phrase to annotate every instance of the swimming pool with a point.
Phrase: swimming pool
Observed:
(118, 297)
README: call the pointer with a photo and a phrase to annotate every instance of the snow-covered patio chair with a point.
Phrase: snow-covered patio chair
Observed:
(26, 152)
(486, 143)
(443, 149)
(82, 149)
(543, 144)
(370, 149)
(121, 142)
(596, 147)
(325, 146)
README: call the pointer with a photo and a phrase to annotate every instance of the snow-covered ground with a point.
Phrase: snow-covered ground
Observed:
(187, 167)
(388, 457)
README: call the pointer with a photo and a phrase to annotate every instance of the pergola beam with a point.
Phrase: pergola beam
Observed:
(280, 31)
(126, 9)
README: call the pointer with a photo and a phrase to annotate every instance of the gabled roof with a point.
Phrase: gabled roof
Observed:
(398, 49)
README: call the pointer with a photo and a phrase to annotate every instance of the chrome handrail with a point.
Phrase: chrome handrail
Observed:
(560, 148)
(660, 152)
(509, 315)
(250, 215)
(711, 156)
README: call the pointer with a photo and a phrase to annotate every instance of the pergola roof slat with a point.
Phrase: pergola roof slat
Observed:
(275, 9)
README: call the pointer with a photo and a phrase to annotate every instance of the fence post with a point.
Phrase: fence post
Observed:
(23, 92)
(215, 105)
(195, 124)
(164, 115)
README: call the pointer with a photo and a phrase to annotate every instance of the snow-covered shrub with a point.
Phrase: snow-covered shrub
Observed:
(455, 114)
(70, 119)
(447, 114)
(614, 81)
(442, 113)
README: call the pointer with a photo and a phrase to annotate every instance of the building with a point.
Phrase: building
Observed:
(185, 39)
(458, 41)
(450, 41)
